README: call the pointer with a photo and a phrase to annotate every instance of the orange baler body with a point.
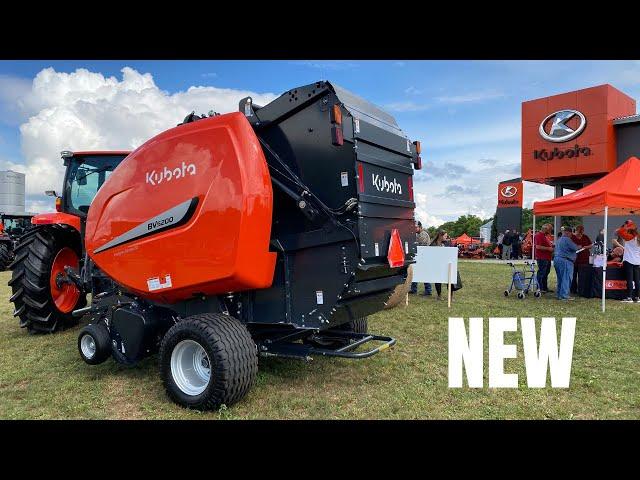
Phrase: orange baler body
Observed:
(186, 214)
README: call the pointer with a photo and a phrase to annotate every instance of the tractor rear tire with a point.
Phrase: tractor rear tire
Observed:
(5, 257)
(41, 307)
(208, 360)
(94, 344)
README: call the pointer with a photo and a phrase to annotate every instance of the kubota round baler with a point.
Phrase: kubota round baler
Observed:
(272, 231)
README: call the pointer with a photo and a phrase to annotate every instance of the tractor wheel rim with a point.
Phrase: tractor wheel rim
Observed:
(190, 367)
(65, 297)
(88, 346)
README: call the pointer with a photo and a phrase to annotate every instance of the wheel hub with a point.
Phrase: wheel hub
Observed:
(190, 367)
(64, 292)
(88, 346)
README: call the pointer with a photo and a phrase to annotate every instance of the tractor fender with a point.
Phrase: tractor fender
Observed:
(57, 218)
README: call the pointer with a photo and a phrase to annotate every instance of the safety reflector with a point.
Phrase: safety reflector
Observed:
(395, 256)
(360, 178)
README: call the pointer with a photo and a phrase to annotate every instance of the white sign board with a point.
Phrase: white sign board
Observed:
(432, 265)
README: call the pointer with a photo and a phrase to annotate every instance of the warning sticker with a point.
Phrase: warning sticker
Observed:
(319, 297)
(156, 283)
(344, 179)
(377, 249)
(406, 247)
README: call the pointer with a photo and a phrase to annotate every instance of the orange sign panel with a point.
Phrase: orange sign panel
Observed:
(510, 194)
(572, 135)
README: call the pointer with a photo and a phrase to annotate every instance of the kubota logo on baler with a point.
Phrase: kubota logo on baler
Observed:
(167, 174)
(384, 185)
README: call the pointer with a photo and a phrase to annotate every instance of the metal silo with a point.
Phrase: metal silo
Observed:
(11, 192)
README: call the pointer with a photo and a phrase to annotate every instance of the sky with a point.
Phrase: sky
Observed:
(466, 114)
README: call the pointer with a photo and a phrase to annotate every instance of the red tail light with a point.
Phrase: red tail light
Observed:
(58, 204)
(395, 256)
(360, 178)
(418, 165)
(336, 115)
(410, 182)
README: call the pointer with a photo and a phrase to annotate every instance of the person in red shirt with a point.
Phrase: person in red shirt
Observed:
(582, 258)
(543, 253)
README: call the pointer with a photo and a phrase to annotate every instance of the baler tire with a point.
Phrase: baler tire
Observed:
(359, 325)
(30, 280)
(5, 257)
(102, 343)
(232, 357)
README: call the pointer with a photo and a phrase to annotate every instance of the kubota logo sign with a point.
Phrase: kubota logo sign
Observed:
(167, 174)
(509, 191)
(554, 127)
(384, 185)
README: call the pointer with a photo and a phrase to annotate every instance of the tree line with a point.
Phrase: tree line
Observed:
(470, 224)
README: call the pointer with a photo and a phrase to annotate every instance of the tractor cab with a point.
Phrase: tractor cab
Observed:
(85, 173)
(14, 225)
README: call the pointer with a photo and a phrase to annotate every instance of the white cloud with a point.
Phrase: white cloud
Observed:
(84, 110)
(422, 212)
(333, 65)
(406, 107)
(471, 97)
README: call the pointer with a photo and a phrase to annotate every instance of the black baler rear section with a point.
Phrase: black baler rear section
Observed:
(332, 262)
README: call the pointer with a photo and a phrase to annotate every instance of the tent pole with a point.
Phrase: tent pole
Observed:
(604, 265)
(533, 240)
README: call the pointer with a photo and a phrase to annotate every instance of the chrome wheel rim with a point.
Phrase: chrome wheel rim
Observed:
(88, 346)
(190, 367)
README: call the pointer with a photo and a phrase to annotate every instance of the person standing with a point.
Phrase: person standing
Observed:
(582, 258)
(499, 242)
(515, 245)
(423, 240)
(600, 236)
(544, 252)
(441, 240)
(506, 245)
(563, 261)
(631, 259)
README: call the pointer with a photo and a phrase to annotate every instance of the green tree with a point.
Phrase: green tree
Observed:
(527, 220)
(469, 224)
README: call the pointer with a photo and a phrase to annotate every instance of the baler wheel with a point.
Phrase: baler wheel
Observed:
(94, 344)
(40, 304)
(359, 325)
(208, 360)
(5, 257)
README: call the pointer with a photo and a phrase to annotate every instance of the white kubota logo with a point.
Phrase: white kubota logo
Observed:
(168, 174)
(384, 185)
(509, 191)
(558, 131)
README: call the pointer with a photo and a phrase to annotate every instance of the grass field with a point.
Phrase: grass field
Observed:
(43, 376)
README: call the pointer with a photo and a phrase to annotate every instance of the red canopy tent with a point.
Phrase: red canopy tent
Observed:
(617, 193)
(463, 239)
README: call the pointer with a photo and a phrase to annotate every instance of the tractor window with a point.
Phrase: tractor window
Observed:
(86, 176)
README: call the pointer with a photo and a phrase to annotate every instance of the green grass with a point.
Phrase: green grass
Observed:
(43, 377)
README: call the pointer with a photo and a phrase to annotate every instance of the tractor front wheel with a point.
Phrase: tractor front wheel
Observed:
(43, 300)
(208, 360)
